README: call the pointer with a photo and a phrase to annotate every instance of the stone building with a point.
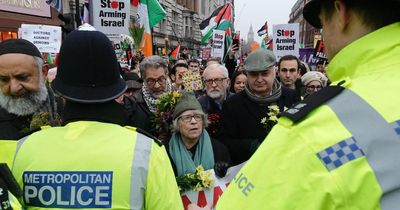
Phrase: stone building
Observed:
(307, 32)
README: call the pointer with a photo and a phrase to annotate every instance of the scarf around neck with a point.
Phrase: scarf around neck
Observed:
(182, 158)
(276, 93)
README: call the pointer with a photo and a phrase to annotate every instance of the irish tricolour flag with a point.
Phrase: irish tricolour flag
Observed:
(220, 19)
(150, 13)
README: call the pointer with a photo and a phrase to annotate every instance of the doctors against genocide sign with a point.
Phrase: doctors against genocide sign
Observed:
(286, 40)
(68, 189)
(46, 38)
(111, 17)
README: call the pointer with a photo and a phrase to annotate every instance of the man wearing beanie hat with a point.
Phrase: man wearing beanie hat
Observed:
(98, 162)
(340, 147)
(190, 144)
(313, 81)
(24, 94)
(241, 128)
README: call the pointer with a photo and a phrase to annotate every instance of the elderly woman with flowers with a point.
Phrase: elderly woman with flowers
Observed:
(190, 144)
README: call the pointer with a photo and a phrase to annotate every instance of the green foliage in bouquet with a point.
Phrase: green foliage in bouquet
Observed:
(162, 121)
(195, 181)
(137, 32)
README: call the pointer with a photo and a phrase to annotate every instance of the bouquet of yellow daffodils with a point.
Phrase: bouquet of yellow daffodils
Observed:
(195, 181)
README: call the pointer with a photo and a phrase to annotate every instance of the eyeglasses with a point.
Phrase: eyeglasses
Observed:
(217, 81)
(312, 87)
(152, 82)
(188, 118)
(194, 66)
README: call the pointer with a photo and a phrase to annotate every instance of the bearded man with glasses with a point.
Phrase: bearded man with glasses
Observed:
(216, 84)
(154, 73)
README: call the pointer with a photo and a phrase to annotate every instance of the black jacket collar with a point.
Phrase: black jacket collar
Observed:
(109, 112)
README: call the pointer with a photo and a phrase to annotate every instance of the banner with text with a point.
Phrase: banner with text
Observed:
(286, 40)
(218, 46)
(211, 196)
(111, 17)
(46, 38)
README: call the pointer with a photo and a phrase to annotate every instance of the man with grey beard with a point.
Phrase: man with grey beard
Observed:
(154, 72)
(24, 96)
(216, 82)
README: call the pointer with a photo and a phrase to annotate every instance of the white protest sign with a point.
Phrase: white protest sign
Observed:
(286, 40)
(211, 196)
(46, 38)
(111, 17)
(218, 46)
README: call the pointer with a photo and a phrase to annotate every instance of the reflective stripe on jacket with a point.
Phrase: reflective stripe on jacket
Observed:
(90, 164)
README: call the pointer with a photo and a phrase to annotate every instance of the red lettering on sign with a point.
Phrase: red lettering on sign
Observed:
(186, 202)
(201, 200)
(217, 194)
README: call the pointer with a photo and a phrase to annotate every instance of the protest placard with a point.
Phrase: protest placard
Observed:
(46, 38)
(286, 40)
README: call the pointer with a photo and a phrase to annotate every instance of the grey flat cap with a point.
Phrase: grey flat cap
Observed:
(259, 60)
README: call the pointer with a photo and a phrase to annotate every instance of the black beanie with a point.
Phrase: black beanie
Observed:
(20, 46)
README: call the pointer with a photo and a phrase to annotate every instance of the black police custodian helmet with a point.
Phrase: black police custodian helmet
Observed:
(311, 13)
(88, 71)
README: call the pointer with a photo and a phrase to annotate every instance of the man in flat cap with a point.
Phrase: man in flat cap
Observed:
(241, 127)
(340, 147)
(24, 96)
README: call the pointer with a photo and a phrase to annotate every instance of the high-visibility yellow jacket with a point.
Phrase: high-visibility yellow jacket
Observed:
(7, 150)
(89, 164)
(344, 154)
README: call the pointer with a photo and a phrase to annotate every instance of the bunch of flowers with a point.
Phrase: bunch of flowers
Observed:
(214, 123)
(126, 42)
(195, 181)
(43, 119)
(162, 121)
(272, 117)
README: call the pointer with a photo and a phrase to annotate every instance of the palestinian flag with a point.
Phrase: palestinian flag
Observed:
(267, 43)
(220, 19)
(174, 54)
(263, 30)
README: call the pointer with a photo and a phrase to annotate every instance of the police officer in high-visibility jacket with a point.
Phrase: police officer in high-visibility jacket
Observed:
(93, 161)
(340, 147)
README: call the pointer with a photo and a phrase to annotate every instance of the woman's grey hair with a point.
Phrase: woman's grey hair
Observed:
(216, 66)
(175, 123)
(153, 61)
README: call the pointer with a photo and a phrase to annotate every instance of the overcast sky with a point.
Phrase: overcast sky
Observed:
(256, 12)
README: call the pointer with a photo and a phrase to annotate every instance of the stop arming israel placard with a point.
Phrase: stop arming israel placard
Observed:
(286, 40)
(111, 17)
(218, 46)
(68, 189)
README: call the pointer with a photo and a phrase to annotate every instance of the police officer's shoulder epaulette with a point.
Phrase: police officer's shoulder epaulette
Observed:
(156, 140)
(298, 111)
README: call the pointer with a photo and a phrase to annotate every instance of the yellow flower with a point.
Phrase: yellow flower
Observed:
(274, 109)
(199, 168)
(264, 120)
(198, 187)
(273, 118)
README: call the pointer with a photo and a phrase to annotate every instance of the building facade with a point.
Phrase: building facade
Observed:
(15, 13)
(307, 32)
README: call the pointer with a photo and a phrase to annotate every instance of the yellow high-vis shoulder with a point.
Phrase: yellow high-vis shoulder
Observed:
(343, 153)
(89, 164)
